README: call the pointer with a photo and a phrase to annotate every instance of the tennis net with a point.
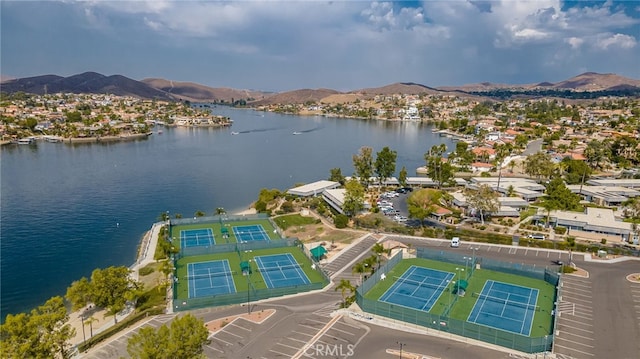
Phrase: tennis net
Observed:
(421, 283)
(211, 275)
(279, 268)
(506, 302)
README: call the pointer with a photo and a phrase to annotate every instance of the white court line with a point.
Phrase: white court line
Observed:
(576, 350)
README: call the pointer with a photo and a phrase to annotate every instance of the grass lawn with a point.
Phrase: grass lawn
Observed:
(291, 220)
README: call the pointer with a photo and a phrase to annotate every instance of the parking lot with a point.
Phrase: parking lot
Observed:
(575, 332)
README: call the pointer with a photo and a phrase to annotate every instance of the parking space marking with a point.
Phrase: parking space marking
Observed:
(579, 336)
(224, 341)
(310, 327)
(288, 346)
(572, 349)
(239, 326)
(512, 250)
(305, 334)
(336, 338)
(296, 340)
(342, 331)
(577, 322)
(216, 349)
(582, 330)
(227, 332)
(572, 298)
(279, 353)
(573, 342)
(348, 325)
(316, 321)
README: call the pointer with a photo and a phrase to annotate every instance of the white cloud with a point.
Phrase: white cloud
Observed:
(574, 42)
(607, 41)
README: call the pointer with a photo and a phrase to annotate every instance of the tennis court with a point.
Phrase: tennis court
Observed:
(281, 270)
(253, 232)
(210, 278)
(505, 306)
(418, 288)
(196, 237)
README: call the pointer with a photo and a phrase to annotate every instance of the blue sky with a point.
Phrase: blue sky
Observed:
(343, 45)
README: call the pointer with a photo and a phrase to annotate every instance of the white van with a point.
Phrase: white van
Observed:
(455, 242)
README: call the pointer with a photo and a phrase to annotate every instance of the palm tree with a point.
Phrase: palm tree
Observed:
(359, 268)
(344, 286)
(90, 321)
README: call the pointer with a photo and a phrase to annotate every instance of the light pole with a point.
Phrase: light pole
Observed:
(401, 346)
(466, 263)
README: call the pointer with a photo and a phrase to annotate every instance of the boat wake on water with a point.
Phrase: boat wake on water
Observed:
(307, 131)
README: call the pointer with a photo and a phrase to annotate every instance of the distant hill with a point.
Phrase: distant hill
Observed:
(199, 93)
(591, 81)
(297, 96)
(588, 81)
(586, 85)
(88, 82)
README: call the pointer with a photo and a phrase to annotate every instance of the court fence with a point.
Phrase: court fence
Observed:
(219, 218)
(252, 294)
(455, 326)
(235, 247)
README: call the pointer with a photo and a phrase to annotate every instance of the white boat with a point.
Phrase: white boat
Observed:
(235, 133)
(297, 133)
(26, 141)
(53, 139)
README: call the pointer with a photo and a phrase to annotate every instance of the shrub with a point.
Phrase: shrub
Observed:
(560, 230)
(341, 221)
(603, 241)
(146, 270)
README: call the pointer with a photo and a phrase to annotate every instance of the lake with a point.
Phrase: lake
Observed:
(68, 209)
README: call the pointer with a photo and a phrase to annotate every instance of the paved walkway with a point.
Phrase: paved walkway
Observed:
(94, 319)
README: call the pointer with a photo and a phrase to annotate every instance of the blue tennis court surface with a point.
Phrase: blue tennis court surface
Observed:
(210, 278)
(418, 288)
(196, 238)
(250, 233)
(505, 306)
(281, 270)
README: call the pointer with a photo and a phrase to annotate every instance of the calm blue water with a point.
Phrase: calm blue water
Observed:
(68, 209)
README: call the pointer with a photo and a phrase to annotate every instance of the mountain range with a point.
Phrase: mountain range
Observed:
(161, 89)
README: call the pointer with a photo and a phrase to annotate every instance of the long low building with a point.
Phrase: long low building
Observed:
(335, 198)
(596, 220)
(610, 196)
(313, 189)
(615, 182)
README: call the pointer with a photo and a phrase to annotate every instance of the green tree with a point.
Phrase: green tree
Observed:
(539, 165)
(385, 164)
(363, 164)
(561, 196)
(402, 177)
(359, 268)
(597, 154)
(184, 338)
(336, 176)
(344, 286)
(353, 198)
(220, 211)
(43, 333)
(199, 214)
(576, 172)
(439, 171)
(79, 294)
(484, 200)
(112, 287)
(423, 202)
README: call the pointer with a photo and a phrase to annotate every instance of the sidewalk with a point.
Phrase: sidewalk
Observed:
(94, 318)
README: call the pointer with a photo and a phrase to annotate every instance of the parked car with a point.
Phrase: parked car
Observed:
(537, 236)
(455, 242)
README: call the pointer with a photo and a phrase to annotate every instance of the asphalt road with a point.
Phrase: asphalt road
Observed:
(533, 147)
